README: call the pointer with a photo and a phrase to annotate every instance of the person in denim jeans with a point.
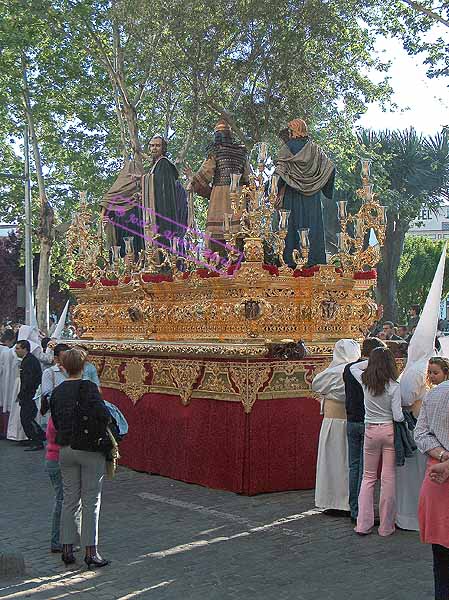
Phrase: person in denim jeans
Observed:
(54, 472)
(355, 412)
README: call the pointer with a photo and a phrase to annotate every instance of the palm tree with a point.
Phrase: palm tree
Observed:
(411, 172)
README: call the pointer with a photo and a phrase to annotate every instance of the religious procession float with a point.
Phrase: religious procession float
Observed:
(208, 342)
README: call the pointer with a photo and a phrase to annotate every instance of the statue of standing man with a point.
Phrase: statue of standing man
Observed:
(305, 171)
(212, 180)
(138, 204)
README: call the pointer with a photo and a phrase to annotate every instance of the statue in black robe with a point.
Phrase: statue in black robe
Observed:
(139, 204)
(305, 172)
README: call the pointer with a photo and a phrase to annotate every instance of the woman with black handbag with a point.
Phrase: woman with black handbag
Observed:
(81, 419)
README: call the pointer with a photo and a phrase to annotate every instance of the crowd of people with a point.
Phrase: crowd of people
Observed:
(377, 421)
(374, 421)
(50, 393)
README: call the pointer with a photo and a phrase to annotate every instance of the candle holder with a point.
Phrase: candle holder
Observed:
(366, 170)
(351, 252)
(301, 257)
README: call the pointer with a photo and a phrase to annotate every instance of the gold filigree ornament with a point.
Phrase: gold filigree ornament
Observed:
(185, 374)
(249, 379)
(135, 375)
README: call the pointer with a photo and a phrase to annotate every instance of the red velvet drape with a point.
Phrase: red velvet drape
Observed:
(214, 443)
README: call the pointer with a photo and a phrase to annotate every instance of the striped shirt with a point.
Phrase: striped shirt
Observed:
(432, 429)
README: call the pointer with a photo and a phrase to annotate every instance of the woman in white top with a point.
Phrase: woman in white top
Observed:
(382, 397)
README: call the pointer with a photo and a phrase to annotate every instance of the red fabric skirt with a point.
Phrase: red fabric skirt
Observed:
(433, 510)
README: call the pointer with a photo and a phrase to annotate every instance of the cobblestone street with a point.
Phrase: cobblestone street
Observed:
(171, 540)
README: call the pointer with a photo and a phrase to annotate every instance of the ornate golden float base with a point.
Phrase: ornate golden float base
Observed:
(230, 375)
(251, 306)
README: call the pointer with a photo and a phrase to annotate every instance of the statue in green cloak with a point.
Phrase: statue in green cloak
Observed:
(139, 204)
(305, 172)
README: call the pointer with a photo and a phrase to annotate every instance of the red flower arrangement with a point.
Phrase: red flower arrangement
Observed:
(148, 278)
(272, 269)
(77, 285)
(205, 273)
(307, 272)
(372, 274)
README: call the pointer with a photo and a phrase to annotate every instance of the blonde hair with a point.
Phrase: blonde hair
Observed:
(73, 360)
(441, 362)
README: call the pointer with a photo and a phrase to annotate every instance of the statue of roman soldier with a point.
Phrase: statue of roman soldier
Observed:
(212, 180)
(305, 171)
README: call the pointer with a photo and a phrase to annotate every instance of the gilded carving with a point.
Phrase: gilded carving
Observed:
(185, 374)
(249, 379)
(135, 375)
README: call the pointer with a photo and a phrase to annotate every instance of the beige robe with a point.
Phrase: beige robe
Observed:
(219, 199)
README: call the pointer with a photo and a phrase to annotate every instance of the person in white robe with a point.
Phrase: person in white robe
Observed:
(413, 389)
(7, 342)
(31, 333)
(15, 430)
(332, 487)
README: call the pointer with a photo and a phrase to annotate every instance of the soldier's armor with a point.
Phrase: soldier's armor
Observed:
(230, 158)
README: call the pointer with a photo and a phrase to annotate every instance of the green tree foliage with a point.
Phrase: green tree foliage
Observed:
(419, 261)
(410, 171)
(104, 75)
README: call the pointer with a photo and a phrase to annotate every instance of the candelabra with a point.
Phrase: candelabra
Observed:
(354, 251)
(254, 207)
(301, 258)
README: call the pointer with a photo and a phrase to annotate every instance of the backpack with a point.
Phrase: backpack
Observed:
(91, 420)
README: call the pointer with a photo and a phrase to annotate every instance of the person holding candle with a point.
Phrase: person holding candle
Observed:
(305, 172)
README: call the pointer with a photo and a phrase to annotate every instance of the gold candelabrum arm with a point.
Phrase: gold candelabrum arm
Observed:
(355, 252)
(252, 221)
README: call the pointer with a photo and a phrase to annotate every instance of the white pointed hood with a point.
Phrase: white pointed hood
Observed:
(61, 323)
(26, 332)
(33, 321)
(422, 345)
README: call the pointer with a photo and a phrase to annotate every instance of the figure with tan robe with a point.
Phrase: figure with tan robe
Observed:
(213, 178)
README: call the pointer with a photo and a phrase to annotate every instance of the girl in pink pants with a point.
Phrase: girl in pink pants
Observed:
(382, 397)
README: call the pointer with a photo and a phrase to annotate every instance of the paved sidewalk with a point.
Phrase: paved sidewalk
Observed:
(170, 540)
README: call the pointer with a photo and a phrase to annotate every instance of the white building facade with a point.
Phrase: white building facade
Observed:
(434, 225)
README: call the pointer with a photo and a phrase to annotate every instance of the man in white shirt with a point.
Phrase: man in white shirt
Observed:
(52, 377)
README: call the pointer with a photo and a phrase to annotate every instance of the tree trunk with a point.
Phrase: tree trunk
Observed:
(46, 224)
(388, 268)
(129, 109)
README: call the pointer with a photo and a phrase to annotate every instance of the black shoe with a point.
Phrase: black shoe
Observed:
(95, 562)
(35, 448)
(333, 512)
(68, 559)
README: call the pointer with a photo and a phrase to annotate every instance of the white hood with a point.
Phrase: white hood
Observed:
(26, 332)
(422, 345)
(345, 351)
(329, 383)
(61, 323)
